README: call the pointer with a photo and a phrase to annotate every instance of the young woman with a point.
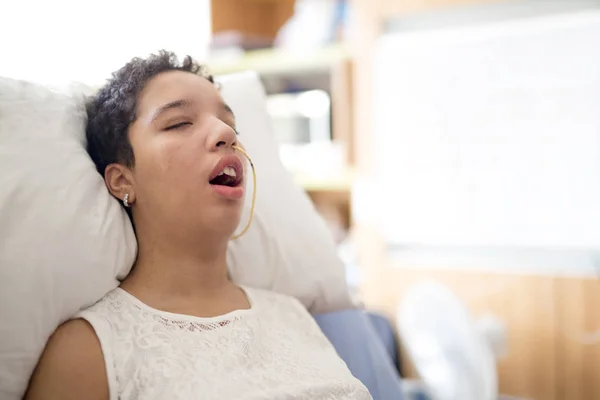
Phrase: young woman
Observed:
(177, 327)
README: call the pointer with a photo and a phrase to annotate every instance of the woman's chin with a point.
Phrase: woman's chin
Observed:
(226, 223)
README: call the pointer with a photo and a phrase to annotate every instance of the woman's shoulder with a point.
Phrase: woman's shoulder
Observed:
(110, 301)
(71, 366)
(271, 300)
(111, 315)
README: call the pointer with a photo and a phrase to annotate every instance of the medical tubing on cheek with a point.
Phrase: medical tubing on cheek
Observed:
(253, 193)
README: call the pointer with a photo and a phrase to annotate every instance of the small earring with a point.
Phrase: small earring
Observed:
(126, 200)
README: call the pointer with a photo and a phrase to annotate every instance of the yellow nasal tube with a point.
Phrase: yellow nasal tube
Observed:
(253, 193)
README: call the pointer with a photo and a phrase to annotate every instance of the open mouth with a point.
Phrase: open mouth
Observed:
(228, 172)
(227, 177)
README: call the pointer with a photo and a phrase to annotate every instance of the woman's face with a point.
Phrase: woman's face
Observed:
(187, 177)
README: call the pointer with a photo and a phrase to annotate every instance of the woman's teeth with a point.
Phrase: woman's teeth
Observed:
(230, 171)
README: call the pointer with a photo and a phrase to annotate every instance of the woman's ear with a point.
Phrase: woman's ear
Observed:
(119, 181)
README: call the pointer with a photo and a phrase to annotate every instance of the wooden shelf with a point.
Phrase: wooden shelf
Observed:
(341, 182)
(278, 62)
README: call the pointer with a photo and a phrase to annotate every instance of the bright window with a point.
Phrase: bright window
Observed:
(62, 41)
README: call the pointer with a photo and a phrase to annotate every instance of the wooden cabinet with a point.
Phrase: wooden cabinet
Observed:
(252, 17)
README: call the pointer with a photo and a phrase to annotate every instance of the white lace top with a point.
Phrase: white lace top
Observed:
(274, 350)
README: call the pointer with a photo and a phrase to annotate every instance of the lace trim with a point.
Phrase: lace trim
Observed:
(194, 326)
(172, 319)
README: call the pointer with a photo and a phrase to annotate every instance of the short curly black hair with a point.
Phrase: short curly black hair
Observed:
(113, 109)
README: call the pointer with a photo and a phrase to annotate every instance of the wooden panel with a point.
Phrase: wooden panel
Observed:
(283, 12)
(334, 208)
(578, 352)
(342, 106)
(262, 18)
(547, 320)
(367, 24)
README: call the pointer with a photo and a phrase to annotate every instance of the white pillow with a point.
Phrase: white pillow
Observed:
(63, 239)
(288, 248)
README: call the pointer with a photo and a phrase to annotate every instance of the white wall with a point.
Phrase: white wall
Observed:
(490, 135)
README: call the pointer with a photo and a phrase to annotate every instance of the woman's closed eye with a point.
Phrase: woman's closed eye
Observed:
(177, 126)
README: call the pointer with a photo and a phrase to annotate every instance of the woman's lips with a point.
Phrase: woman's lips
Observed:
(236, 191)
(230, 192)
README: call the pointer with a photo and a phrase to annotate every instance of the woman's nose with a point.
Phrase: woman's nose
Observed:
(222, 136)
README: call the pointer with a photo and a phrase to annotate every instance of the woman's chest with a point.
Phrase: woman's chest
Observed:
(241, 360)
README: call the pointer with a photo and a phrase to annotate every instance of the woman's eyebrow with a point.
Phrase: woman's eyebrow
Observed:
(228, 110)
(169, 106)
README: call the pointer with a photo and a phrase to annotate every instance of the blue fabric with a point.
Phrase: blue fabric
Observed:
(353, 335)
(386, 334)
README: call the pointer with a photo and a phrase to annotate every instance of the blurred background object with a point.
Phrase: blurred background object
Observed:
(315, 23)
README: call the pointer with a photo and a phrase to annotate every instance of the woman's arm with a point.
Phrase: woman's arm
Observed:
(71, 367)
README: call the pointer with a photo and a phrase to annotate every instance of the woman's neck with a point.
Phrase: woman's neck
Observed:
(175, 271)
